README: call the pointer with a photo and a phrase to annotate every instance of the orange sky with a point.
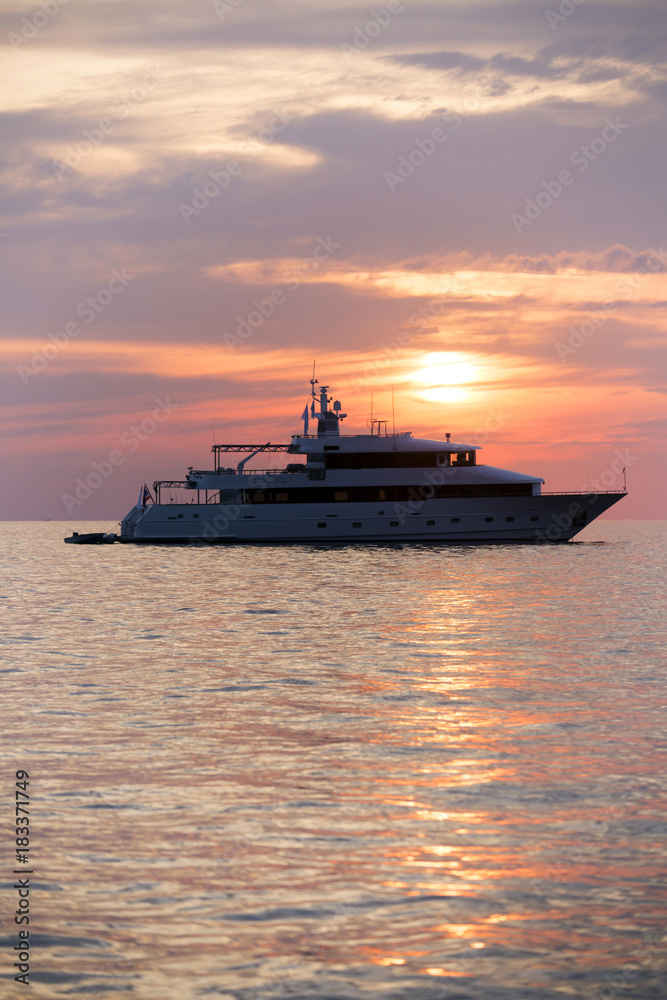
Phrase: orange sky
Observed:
(469, 207)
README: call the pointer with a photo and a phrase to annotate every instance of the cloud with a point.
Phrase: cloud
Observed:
(516, 102)
(632, 31)
(538, 67)
(615, 259)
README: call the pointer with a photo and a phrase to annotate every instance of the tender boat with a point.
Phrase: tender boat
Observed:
(92, 538)
(376, 487)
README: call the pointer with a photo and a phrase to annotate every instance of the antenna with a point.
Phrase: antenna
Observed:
(393, 412)
(371, 414)
(213, 433)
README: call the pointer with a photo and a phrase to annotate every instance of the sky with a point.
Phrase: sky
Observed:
(463, 200)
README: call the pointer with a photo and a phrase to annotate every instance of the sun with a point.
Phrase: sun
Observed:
(446, 376)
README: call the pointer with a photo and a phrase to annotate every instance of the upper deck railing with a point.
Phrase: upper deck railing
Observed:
(217, 448)
(248, 472)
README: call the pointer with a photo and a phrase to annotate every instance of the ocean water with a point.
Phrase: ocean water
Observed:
(406, 773)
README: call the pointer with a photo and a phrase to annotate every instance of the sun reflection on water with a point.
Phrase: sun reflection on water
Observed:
(429, 789)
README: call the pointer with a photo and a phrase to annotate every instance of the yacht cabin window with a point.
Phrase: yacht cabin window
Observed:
(457, 458)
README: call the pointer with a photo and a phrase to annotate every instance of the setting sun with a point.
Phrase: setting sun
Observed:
(445, 375)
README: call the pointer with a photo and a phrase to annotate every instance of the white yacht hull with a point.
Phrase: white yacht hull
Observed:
(550, 517)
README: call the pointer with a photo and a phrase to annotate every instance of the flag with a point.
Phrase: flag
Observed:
(144, 496)
(304, 417)
(312, 409)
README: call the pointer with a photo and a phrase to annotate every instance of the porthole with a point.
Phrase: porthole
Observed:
(456, 520)
(195, 515)
(430, 524)
(509, 518)
(533, 519)
(356, 524)
(487, 519)
(321, 524)
(380, 512)
(393, 524)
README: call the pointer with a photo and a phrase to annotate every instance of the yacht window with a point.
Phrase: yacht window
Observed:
(455, 520)
(381, 496)
(464, 458)
(380, 512)
(444, 459)
(356, 524)
(430, 523)
(393, 524)
(509, 518)
(282, 497)
(488, 519)
(340, 495)
(533, 519)
(321, 524)
(257, 497)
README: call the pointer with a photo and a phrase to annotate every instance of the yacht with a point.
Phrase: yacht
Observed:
(380, 486)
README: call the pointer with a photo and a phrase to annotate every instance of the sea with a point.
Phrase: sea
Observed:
(394, 772)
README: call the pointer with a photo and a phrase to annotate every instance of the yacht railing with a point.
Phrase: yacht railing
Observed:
(254, 472)
(249, 447)
(193, 486)
(582, 493)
